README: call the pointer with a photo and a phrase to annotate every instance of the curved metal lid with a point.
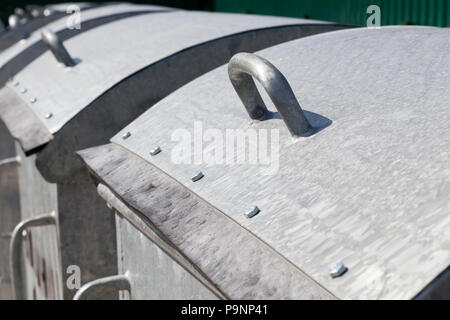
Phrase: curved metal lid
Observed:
(112, 52)
(62, 23)
(371, 189)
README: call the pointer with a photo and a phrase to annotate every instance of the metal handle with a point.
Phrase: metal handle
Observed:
(14, 23)
(16, 250)
(118, 282)
(242, 67)
(57, 48)
(14, 160)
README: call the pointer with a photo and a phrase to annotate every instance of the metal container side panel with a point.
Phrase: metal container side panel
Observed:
(65, 92)
(86, 232)
(41, 262)
(9, 205)
(63, 22)
(153, 274)
(370, 189)
(83, 237)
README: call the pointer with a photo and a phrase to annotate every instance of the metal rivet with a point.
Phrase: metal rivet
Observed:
(23, 90)
(251, 212)
(155, 151)
(337, 270)
(197, 176)
(126, 135)
(48, 115)
(33, 100)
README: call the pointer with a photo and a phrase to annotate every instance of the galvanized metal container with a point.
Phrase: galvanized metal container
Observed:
(353, 203)
(14, 59)
(21, 27)
(113, 73)
(17, 56)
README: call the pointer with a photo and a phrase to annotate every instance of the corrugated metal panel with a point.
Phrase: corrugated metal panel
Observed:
(393, 12)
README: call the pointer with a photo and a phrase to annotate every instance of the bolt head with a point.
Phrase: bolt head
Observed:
(33, 100)
(337, 270)
(49, 115)
(23, 90)
(197, 176)
(155, 151)
(251, 212)
(126, 135)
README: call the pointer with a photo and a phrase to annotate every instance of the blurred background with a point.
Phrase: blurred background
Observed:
(393, 12)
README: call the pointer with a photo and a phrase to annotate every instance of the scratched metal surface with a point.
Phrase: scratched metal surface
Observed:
(65, 92)
(153, 274)
(371, 189)
(61, 24)
(41, 261)
(9, 208)
(191, 232)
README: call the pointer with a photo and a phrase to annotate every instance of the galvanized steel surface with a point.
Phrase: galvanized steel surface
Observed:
(62, 23)
(222, 255)
(65, 92)
(41, 264)
(9, 206)
(15, 250)
(370, 190)
(82, 214)
(152, 273)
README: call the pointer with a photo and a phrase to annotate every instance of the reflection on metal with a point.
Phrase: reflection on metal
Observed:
(7, 161)
(16, 250)
(14, 23)
(116, 283)
(197, 176)
(48, 12)
(252, 211)
(241, 69)
(337, 270)
(126, 135)
(155, 151)
(57, 48)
